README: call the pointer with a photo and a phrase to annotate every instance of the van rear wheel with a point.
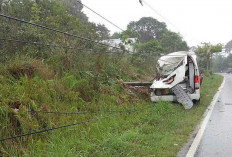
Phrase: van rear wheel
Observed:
(196, 101)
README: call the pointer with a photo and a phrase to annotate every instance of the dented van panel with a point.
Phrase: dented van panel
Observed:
(178, 79)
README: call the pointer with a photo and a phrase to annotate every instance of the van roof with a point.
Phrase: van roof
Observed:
(174, 58)
(171, 60)
(180, 54)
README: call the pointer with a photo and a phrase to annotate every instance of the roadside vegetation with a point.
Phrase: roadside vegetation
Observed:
(35, 80)
(156, 129)
(222, 63)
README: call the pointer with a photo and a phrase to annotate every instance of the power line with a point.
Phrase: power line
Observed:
(41, 44)
(48, 45)
(141, 1)
(70, 125)
(87, 112)
(100, 16)
(62, 32)
(55, 128)
(73, 35)
(67, 47)
(71, 113)
(122, 29)
(104, 17)
(68, 34)
(153, 9)
(164, 18)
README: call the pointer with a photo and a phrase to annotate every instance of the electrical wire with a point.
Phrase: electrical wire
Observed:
(62, 32)
(73, 48)
(73, 35)
(100, 15)
(54, 46)
(166, 19)
(154, 10)
(68, 34)
(86, 112)
(73, 124)
(67, 47)
(41, 44)
(55, 128)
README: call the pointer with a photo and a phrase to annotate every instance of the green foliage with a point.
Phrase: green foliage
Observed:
(160, 129)
(151, 47)
(44, 79)
(125, 35)
(205, 55)
(49, 13)
(147, 28)
(172, 42)
(222, 64)
(103, 32)
(155, 36)
(75, 7)
(88, 86)
(229, 61)
(228, 46)
(35, 13)
(116, 35)
(216, 48)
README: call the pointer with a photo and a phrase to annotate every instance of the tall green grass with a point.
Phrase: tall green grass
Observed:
(83, 83)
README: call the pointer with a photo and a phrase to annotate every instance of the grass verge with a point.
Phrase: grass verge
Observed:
(160, 130)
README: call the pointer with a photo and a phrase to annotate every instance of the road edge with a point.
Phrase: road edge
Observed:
(194, 146)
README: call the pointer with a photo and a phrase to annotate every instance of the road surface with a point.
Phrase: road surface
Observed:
(217, 138)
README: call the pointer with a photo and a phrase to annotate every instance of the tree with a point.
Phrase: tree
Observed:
(116, 35)
(147, 29)
(35, 13)
(103, 32)
(75, 8)
(1, 4)
(219, 63)
(172, 42)
(205, 54)
(50, 13)
(228, 46)
(229, 61)
(152, 47)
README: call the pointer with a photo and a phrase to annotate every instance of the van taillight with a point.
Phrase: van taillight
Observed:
(196, 81)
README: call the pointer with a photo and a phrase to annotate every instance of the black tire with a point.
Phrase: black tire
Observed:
(196, 101)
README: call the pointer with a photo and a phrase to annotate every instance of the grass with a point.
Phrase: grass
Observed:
(159, 130)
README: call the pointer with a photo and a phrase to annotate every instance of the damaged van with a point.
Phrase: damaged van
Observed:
(178, 79)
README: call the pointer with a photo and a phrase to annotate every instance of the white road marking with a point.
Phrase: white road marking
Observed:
(197, 140)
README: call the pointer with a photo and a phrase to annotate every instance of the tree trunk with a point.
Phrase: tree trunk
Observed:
(1, 1)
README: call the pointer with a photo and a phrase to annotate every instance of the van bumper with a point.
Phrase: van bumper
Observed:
(155, 98)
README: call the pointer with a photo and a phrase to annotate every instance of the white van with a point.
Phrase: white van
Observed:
(178, 78)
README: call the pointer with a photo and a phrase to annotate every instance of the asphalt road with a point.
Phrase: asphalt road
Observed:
(217, 138)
